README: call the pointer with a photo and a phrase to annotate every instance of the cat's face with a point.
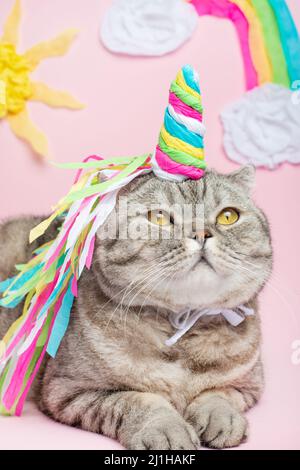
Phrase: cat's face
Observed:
(196, 243)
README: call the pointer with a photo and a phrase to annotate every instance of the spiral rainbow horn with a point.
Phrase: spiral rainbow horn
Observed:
(179, 154)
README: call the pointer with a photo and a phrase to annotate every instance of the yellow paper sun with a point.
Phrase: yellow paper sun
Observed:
(16, 86)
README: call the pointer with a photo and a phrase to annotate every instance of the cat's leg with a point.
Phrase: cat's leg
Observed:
(138, 420)
(216, 420)
(217, 415)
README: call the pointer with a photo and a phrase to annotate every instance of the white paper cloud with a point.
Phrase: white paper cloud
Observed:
(263, 127)
(147, 27)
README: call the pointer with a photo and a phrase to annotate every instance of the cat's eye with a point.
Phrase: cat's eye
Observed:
(228, 216)
(159, 217)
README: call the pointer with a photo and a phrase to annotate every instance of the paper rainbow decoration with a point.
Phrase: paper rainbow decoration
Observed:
(17, 88)
(262, 127)
(267, 34)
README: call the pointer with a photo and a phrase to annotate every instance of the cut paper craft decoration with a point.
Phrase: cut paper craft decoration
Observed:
(228, 9)
(17, 87)
(180, 150)
(257, 47)
(270, 47)
(289, 37)
(147, 28)
(48, 282)
(267, 34)
(273, 43)
(263, 127)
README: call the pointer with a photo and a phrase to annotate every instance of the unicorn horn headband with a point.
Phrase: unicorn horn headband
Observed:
(48, 282)
(180, 153)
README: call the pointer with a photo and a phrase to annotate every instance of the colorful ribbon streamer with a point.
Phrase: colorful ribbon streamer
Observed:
(48, 282)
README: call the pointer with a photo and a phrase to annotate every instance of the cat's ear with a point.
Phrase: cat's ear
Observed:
(244, 177)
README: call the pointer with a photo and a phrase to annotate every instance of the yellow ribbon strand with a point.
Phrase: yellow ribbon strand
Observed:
(23, 127)
(55, 98)
(52, 48)
(181, 82)
(41, 228)
(180, 145)
(13, 328)
(11, 26)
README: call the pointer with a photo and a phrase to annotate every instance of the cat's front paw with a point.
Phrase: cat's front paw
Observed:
(166, 431)
(218, 424)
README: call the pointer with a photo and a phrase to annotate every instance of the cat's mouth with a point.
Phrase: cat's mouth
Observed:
(203, 260)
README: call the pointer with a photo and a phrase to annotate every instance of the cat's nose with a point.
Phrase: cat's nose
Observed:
(202, 235)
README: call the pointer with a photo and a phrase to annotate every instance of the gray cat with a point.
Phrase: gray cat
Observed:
(113, 373)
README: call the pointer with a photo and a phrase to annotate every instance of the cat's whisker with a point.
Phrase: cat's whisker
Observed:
(266, 273)
(158, 276)
(119, 305)
(147, 281)
(259, 270)
(166, 265)
(169, 279)
(126, 311)
(137, 278)
(141, 281)
(234, 254)
(243, 260)
(275, 290)
(129, 289)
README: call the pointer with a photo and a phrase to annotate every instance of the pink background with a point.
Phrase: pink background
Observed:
(125, 100)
